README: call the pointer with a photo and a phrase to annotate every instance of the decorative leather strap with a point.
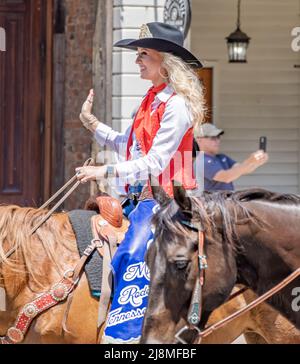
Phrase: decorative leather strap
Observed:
(57, 294)
(104, 231)
(194, 315)
(106, 287)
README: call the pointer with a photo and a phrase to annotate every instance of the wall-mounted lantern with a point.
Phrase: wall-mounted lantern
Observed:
(238, 42)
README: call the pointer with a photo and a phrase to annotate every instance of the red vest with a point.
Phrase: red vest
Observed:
(180, 168)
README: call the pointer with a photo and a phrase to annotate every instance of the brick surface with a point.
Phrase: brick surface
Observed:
(79, 30)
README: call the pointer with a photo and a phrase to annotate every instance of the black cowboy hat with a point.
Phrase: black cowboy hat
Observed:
(163, 38)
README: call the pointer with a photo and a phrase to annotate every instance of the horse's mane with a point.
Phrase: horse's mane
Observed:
(53, 237)
(213, 206)
(261, 194)
(16, 224)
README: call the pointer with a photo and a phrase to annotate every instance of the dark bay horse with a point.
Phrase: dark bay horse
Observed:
(252, 237)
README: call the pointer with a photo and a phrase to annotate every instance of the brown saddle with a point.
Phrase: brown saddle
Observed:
(111, 210)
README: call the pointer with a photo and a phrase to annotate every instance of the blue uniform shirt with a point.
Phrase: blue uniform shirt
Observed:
(213, 165)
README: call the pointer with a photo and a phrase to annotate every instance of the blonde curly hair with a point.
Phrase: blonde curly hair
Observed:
(186, 83)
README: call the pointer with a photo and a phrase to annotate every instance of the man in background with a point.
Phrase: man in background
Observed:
(220, 171)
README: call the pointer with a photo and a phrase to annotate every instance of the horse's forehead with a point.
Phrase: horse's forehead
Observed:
(172, 243)
(179, 249)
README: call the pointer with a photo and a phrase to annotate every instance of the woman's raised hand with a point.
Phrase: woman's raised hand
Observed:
(87, 118)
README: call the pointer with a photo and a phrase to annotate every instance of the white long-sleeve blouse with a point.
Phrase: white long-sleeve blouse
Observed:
(176, 121)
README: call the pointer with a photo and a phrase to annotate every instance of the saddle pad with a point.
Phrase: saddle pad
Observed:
(81, 224)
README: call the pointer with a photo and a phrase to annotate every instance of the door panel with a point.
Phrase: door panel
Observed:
(21, 102)
(206, 78)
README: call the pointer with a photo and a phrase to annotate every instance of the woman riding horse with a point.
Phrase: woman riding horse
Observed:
(160, 143)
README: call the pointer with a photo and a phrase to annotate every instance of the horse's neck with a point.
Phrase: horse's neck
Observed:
(261, 266)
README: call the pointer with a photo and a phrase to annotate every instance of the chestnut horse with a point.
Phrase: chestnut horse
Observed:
(261, 325)
(251, 238)
(41, 260)
(38, 263)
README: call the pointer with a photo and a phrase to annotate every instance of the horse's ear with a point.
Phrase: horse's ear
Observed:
(158, 192)
(181, 197)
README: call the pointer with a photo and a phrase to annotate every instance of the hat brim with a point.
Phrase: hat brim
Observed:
(217, 133)
(161, 45)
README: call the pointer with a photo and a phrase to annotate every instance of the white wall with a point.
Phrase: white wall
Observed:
(128, 87)
(261, 97)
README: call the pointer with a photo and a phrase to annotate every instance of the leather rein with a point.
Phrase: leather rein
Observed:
(195, 310)
(88, 162)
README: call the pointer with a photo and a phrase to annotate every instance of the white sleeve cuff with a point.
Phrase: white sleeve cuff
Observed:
(102, 133)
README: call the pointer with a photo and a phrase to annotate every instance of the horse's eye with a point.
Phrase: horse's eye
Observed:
(181, 264)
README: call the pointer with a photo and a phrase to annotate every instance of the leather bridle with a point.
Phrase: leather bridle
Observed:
(195, 310)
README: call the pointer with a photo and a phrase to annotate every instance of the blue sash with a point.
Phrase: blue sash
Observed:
(131, 278)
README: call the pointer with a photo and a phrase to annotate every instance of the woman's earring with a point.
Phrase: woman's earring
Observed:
(165, 77)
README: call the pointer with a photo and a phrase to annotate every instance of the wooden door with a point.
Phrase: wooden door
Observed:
(22, 102)
(206, 78)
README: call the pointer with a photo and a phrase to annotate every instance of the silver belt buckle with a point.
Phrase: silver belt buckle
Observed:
(133, 196)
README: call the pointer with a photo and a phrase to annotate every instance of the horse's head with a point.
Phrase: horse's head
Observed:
(173, 264)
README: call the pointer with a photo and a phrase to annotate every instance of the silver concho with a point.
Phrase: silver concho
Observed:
(59, 292)
(30, 310)
(15, 335)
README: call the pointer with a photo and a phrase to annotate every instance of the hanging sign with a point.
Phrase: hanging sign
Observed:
(178, 14)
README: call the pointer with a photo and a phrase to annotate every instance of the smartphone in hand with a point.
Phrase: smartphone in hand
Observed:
(263, 143)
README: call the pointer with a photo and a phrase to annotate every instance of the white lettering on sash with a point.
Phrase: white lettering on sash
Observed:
(133, 295)
(117, 317)
(137, 270)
